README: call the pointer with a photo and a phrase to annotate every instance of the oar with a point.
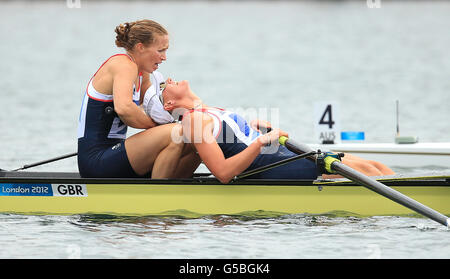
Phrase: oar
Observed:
(336, 166)
(273, 165)
(47, 161)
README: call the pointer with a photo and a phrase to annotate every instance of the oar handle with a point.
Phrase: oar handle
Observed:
(282, 140)
(296, 147)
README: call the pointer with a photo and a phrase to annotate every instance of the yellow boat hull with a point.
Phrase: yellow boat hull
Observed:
(212, 199)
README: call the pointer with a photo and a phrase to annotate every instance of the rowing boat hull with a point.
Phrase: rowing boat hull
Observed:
(199, 197)
(229, 200)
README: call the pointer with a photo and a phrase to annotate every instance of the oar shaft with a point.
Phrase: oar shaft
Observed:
(47, 161)
(372, 184)
(389, 193)
(274, 165)
(298, 148)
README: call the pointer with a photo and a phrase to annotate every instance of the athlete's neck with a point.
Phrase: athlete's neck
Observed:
(132, 57)
(197, 104)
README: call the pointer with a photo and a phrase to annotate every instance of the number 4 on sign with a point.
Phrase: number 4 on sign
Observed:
(327, 117)
(327, 128)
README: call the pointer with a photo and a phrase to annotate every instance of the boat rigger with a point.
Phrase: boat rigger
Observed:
(396, 155)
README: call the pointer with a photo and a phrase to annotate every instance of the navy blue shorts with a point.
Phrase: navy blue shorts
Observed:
(298, 169)
(104, 160)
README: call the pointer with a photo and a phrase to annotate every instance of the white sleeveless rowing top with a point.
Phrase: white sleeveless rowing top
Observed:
(232, 132)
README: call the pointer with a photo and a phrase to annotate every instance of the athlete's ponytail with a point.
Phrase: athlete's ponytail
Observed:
(141, 31)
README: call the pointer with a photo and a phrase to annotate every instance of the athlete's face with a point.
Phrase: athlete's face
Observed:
(154, 54)
(176, 89)
(175, 92)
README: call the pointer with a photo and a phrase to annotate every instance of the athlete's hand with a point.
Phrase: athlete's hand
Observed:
(272, 137)
(261, 126)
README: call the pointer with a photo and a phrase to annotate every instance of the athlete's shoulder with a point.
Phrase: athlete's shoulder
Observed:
(196, 119)
(196, 125)
(121, 62)
(119, 58)
(196, 115)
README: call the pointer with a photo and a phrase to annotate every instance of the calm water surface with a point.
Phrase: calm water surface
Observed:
(283, 55)
(294, 236)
